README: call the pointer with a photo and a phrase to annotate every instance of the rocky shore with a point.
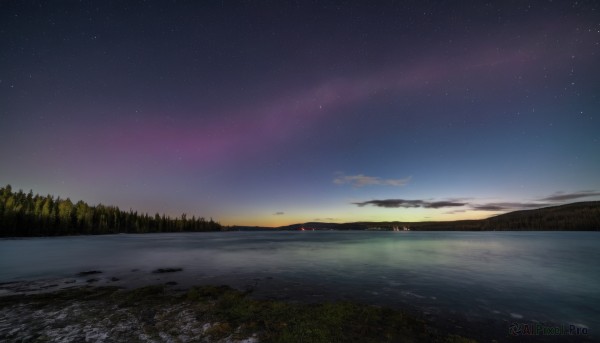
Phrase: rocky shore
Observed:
(162, 313)
(99, 306)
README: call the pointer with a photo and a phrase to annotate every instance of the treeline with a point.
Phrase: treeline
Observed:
(25, 214)
(580, 216)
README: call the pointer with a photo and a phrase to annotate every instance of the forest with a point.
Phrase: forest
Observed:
(25, 214)
(579, 216)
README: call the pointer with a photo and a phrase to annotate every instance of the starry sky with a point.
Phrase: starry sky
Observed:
(279, 112)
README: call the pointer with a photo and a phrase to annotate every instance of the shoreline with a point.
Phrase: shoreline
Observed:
(209, 313)
(278, 230)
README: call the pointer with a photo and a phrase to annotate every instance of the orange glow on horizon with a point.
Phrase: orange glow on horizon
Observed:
(404, 216)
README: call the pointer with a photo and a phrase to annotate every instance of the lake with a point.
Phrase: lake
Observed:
(478, 277)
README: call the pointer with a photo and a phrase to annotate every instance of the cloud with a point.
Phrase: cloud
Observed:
(489, 207)
(278, 213)
(506, 206)
(453, 203)
(476, 206)
(455, 211)
(442, 204)
(364, 180)
(570, 196)
(397, 203)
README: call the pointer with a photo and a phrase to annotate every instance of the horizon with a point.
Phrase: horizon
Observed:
(74, 201)
(261, 114)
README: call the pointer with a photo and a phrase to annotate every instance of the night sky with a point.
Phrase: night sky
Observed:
(278, 112)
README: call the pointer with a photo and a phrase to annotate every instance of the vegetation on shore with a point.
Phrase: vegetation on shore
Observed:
(203, 314)
(25, 214)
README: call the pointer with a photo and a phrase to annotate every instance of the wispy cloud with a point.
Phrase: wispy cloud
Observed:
(278, 213)
(560, 196)
(551, 200)
(361, 180)
(455, 211)
(397, 203)
(453, 203)
(507, 206)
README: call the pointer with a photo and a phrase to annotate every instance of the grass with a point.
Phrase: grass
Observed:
(278, 321)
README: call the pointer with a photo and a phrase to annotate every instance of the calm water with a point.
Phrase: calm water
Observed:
(506, 276)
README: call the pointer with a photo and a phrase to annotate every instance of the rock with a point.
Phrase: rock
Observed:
(171, 283)
(90, 272)
(167, 270)
(92, 280)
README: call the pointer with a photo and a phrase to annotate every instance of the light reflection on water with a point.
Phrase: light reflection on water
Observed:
(545, 276)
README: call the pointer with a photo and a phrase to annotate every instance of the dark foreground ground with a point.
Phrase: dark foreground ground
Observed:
(219, 314)
(201, 314)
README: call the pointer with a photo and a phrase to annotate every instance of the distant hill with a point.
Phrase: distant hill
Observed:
(580, 216)
(584, 216)
(247, 228)
(325, 226)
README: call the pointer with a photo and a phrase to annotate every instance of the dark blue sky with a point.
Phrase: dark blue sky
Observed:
(276, 112)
